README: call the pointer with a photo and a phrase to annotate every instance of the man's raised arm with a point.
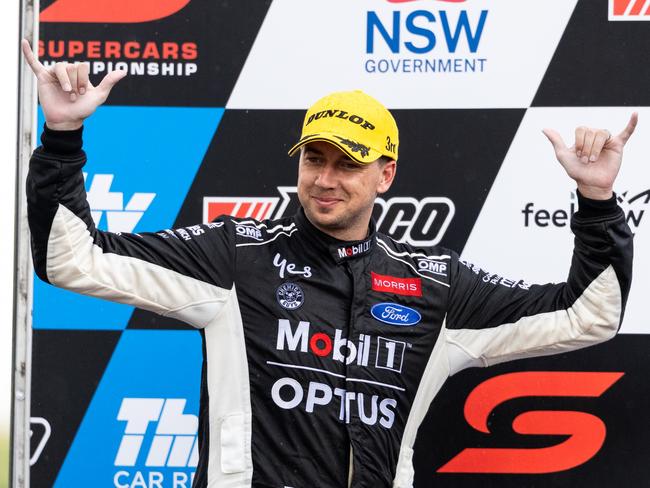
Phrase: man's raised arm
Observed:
(182, 273)
(492, 319)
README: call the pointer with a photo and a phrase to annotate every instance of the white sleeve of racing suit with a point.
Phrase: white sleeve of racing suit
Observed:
(492, 319)
(183, 273)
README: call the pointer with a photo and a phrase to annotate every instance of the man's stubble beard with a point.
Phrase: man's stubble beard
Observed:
(342, 223)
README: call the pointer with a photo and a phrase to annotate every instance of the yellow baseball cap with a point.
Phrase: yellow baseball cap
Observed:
(354, 122)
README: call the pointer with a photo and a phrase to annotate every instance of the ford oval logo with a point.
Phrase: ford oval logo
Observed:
(394, 314)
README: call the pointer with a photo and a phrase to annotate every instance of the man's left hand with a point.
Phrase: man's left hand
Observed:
(595, 158)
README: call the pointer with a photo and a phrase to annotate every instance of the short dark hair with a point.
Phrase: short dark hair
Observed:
(383, 160)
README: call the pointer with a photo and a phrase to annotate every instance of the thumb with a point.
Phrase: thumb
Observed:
(110, 80)
(556, 139)
(629, 129)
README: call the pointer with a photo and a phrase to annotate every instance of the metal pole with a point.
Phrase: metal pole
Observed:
(23, 271)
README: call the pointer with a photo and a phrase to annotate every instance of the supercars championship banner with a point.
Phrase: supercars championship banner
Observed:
(214, 98)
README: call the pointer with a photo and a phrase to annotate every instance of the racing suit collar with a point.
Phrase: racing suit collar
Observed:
(340, 250)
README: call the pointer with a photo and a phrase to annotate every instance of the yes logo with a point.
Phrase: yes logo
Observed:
(110, 11)
(290, 268)
(586, 431)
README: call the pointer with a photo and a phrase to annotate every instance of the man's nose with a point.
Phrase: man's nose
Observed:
(326, 177)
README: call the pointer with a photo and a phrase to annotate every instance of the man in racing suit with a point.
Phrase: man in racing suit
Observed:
(324, 341)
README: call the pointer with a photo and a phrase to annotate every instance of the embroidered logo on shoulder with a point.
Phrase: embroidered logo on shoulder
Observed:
(249, 231)
(432, 266)
(394, 314)
(290, 296)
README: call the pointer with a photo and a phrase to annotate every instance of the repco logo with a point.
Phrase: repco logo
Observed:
(110, 11)
(419, 222)
(416, 222)
(586, 432)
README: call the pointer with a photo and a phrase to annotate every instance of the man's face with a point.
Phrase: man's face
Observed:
(337, 193)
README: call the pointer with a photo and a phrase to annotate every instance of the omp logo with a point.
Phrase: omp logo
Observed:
(585, 432)
(419, 222)
(174, 443)
(432, 266)
(249, 231)
(629, 10)
(119, 218)
(634, 208)
(110, 11)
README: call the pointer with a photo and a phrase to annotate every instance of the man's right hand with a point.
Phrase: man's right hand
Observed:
(67, 97)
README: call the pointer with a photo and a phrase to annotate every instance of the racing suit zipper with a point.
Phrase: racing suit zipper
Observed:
(351, 470)
(348, 267)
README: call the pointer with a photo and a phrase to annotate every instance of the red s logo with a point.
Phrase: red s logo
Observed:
(587, 432)
(110, 11)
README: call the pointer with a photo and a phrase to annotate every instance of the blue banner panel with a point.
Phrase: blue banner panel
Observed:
(141, 163)
(141, 426)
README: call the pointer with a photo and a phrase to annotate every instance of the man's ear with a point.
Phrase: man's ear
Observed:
(388, 172)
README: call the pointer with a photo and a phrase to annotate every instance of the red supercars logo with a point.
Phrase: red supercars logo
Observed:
(586, 431)
(629, 10)
(110, 11)
(399, 286)
(259, 208)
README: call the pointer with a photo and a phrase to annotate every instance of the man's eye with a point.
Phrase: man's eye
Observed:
(350, 166)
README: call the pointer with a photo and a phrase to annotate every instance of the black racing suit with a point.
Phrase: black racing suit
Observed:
(321, 356)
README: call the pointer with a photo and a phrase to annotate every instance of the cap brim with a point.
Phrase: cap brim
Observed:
(358, 152)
